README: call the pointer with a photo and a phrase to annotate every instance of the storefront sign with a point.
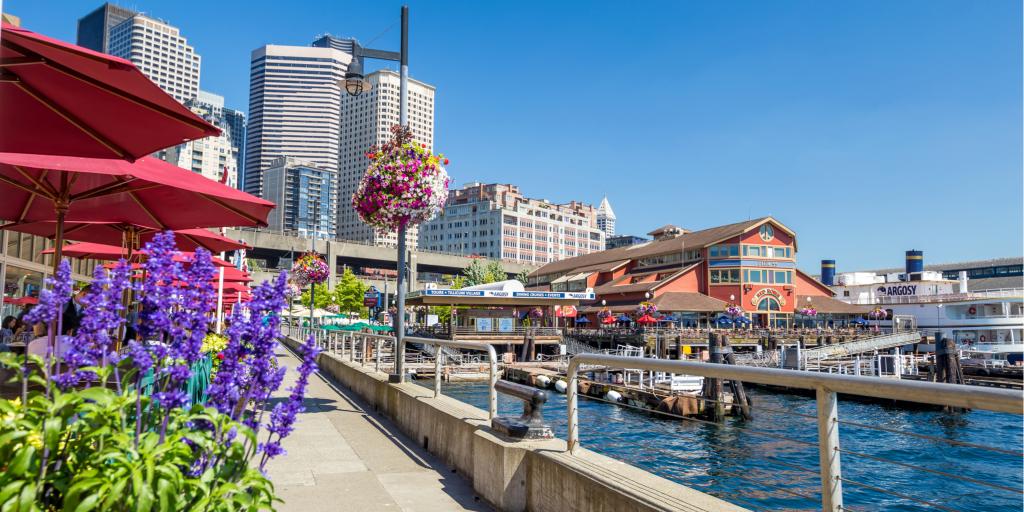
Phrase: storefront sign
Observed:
(483, 325)
(767, 292)
(371, 298)
(506, 324)
(898, 290)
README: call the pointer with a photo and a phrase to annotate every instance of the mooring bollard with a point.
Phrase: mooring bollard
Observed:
(531, 424)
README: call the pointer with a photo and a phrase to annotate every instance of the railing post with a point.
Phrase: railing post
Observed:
(573, 402)
(828, 450)
(362, 354)
(378, 343)
(437, 370)
(492, 358)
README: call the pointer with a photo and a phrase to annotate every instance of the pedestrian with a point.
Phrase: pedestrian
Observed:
(71, 318)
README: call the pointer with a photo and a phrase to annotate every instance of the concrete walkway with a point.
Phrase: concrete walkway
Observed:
(342, 456)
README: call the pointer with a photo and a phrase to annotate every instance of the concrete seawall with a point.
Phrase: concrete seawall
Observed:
(514, 475)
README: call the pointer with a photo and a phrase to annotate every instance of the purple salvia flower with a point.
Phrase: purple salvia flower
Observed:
(53, 297)
(282, 418)
(93, 342)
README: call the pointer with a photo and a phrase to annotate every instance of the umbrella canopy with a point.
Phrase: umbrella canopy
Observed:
(21, 301)
(89, 250)
(148, 192)
(62, 99)
(583, 320)
(117, 233)
(624, 318)
(646, 319)
(608, 320)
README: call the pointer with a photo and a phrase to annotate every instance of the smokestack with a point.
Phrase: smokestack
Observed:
(828, 272)
(915, 262)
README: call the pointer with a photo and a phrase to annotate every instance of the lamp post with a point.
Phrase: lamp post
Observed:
(354, 84)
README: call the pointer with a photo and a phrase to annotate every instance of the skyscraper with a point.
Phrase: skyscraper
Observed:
(232, 122)
(159, 51)
(367, 120)
(306, 198)
(94, 28)
(606, 218)
(294, 108)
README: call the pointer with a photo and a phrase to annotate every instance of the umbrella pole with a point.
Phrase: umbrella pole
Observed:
(220, 297)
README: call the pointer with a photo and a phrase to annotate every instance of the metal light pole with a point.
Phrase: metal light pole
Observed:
(354, 84)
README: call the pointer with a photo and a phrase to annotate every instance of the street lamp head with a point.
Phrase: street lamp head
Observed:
(604, 302)
(354, 82)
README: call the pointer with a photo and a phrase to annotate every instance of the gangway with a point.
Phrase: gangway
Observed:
(863, 345)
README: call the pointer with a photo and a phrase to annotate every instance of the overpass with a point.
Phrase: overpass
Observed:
(374, 264)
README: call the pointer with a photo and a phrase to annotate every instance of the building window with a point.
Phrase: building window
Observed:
(767, 232)
(725, 276)
(768, 304)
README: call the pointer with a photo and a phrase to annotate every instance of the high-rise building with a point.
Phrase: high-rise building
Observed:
(159, 51)
(367, 120)
(232, 122)
(306, 198)
(606, 218)
(94, 28)
(213, 157)
(294, 108)
(496, 221)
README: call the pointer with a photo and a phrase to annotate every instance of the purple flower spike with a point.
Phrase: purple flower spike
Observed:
(53, 297)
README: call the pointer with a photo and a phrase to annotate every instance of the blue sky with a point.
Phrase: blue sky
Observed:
(869, 127)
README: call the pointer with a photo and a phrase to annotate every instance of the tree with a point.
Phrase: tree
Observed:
(475, 273)
(349, 292)
(444, 313)
(523, 276)
(479, 272)
(324, 296)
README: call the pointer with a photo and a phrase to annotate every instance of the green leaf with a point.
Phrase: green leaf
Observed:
(88, 503)
(10, 490)
(22, 460)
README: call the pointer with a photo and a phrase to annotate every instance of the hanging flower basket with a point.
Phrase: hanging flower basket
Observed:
(404, 185)
(536, 313)
(809, 311)
(734, 311)
(604, 313)
(646, 308)
(878, 314)
(310, 268)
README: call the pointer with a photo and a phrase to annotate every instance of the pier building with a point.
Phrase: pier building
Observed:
(693, 276)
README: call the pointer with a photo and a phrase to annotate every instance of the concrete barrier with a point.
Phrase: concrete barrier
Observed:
(513, 476)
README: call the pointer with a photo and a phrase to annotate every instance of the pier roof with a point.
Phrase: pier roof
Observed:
(692, 240)
(830, 305)
(496, 298)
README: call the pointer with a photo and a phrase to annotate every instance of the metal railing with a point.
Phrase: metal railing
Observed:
(825, 386)
(353, 345)
(492, 366)
(998, 293)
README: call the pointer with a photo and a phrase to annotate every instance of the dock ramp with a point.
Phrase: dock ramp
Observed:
(863, 345)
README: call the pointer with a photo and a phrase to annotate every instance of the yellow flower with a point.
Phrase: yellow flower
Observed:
(35, 440)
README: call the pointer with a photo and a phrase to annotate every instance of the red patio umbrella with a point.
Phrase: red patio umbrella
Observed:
(89, 250)
(21, 301)
(148, 192)
(62, 99)
(130, 235)
(646, 319)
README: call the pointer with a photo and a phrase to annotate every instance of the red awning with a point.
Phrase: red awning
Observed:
(62, 99)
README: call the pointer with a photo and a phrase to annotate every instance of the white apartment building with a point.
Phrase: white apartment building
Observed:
(160, 52)
(496, 221)
(367, 120)
(294, 108)
(211, 156)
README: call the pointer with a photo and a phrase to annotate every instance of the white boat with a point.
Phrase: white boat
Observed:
(985, 324)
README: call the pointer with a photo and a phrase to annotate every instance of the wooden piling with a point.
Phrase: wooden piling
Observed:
(711, 391)
(740, 401)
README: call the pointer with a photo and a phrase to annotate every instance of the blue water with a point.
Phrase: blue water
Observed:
(747, 463)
